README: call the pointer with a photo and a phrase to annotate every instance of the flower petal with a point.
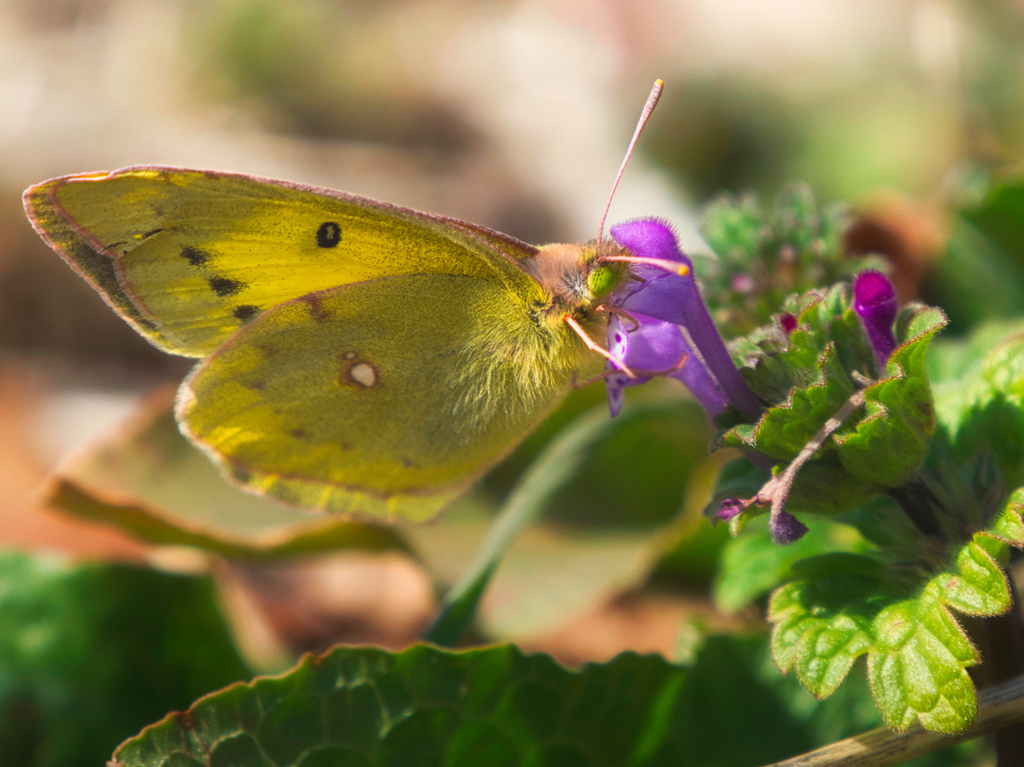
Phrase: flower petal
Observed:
(676, 299)
(620, 344)
(731, 507)
(615, 384)
(702, 385)
(653, 346)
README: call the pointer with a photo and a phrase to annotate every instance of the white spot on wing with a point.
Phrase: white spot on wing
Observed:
(363, 374)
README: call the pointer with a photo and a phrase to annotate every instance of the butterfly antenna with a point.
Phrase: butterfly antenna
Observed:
(652, 101)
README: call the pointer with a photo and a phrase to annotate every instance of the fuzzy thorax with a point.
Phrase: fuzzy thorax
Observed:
(520, 360)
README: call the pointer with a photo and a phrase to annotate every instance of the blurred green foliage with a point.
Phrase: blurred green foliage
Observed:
(89, 654)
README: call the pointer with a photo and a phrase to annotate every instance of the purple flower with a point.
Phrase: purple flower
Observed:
(783, 526)
(731, 507)
(874, 300)
(671, 332)
(652, 346)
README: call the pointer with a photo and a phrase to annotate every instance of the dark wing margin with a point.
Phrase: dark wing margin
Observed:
(94, 266)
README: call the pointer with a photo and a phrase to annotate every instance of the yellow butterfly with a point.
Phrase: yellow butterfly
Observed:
(358, 357)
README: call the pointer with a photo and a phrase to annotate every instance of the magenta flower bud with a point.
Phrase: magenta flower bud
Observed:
(785, 528)
(874, 300)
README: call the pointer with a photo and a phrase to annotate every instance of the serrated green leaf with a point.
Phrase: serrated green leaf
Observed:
(917, 665)
(977, 586)
(822, 622)
(784, 430)
(496, 706)
(827, 650)
(1008, 526)
(888, 445)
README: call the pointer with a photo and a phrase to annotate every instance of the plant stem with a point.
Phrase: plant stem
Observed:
(919, 503)
(1002, 659)
(999, 707)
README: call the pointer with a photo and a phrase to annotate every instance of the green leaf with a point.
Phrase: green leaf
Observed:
(978, 586)
(983, 410)
(149, 480)
(496, 706)
(823, 624)
(825, 487)
(887, 446)
(1008, 525)
(917, 665)
(752, 564)
(981, 272)
(843, 605)
(423, 706)
(784, 430)
(89, 654)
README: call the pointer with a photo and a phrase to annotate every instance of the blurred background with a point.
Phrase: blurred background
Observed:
(509, 113)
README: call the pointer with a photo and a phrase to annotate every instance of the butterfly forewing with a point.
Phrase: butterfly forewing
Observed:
(189, 257)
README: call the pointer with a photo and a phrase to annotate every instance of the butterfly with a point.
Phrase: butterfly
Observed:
(356, 356)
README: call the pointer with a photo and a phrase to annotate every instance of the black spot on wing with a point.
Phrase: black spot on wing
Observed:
(151, 232)
(245, 312)
(194, 256)
(225, 286)
(328, 235)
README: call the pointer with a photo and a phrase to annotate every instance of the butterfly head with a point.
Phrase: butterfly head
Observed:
(577, 278)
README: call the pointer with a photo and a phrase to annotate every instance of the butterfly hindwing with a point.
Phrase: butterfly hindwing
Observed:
(189, 257)
(383, 398)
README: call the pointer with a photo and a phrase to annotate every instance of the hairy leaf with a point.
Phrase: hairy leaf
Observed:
(917, 665)
(887, 446)
(496, 706)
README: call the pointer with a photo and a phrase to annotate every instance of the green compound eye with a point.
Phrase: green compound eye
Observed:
(601, 281)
